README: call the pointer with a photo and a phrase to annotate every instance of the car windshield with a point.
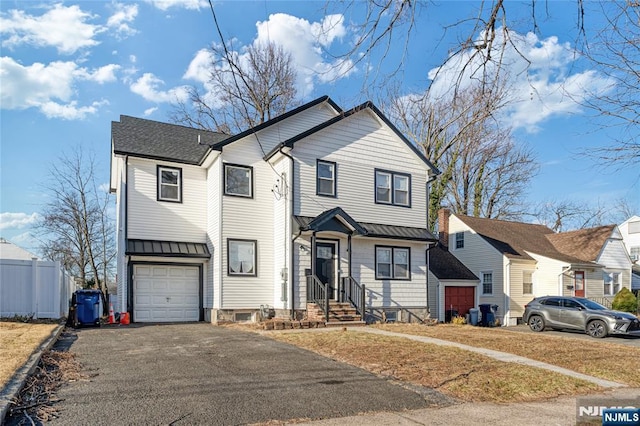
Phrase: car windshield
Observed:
(590, 304)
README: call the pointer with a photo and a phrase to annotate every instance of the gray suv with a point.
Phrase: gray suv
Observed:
(578, 313)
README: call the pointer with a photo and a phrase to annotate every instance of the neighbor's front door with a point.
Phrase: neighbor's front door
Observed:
(579, 284)
(326, 266)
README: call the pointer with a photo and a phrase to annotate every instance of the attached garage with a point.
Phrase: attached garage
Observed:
(166, 293)
(459, 299)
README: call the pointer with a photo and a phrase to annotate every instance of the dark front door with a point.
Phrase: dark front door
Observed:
(326, 266)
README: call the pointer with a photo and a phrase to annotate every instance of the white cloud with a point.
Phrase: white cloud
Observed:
(187, 4)
(17, 220)
(148, 86)
(120, 21)
(200, 66)
(306, 41)
(547, 86)
(49, 88)
(62, 27)
(149, 111)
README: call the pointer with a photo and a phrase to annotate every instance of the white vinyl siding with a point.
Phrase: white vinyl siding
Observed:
(521, 291)
(214, 211)
(151, 219)
(359, 144)
(249, 219)
(615, 259)
(281, 238)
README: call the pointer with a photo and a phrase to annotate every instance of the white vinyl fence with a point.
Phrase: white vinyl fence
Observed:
(41, 289)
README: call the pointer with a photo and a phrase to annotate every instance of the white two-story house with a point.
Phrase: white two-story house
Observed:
(306, 208)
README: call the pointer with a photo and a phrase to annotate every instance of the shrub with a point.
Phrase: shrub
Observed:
(458, 320)
(625, 301)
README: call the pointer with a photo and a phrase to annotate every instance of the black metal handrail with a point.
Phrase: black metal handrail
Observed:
(603, 301)
(355, 294)
(317, 293)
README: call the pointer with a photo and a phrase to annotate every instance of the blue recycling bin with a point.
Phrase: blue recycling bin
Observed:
(87, 303)
(488, 312)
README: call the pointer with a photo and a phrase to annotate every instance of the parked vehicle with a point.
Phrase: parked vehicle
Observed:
(578, 313)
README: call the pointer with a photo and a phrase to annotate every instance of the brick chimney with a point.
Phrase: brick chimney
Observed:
(443, 227)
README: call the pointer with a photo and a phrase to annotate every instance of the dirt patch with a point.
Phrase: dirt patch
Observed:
(604, 359)
(18, 340)
(457, 373)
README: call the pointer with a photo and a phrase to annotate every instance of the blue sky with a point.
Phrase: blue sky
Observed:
(69, 69)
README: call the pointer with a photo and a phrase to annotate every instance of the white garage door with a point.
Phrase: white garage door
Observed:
(165, 293)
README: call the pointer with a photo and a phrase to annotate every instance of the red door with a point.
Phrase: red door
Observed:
(459, 299)
(579, 284)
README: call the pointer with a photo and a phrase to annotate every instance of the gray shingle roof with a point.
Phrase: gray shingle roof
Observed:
(446, 266)
(161, 141)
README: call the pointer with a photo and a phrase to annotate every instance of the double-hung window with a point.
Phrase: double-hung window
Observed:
(393, 263)
(527, 282)
(611, 283)
(238, 180)
(459, 240)
(393, 188)
(169, 184)
(241, 257)
(326, 178)
(487, 282)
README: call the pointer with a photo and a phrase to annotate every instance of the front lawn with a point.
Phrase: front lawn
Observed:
(605, 359)
(461, 374)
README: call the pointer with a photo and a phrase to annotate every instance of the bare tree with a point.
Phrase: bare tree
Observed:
(75, 227)
(568, 215)
(243, 90)
(615, 51)
(484, 172)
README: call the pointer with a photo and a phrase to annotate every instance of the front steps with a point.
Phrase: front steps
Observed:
(340, 314)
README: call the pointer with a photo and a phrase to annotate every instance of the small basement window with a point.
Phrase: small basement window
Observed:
(243, 317)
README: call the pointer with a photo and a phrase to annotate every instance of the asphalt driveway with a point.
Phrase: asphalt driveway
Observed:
(201, 374)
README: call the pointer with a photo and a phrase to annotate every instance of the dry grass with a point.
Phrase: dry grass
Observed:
(455, 372)
(17, 343)
(604, 359)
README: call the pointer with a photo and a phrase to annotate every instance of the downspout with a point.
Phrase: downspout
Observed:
(290, 218)
(127, 305)
(507, 294)
(561, 280)
(427, 186)
(431, 246)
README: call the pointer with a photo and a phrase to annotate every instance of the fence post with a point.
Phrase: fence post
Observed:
(34, 287)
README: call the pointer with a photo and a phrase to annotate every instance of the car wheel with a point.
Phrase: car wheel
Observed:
(597, 328)
(536, 323)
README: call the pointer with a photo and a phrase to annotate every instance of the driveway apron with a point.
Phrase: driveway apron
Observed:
(197, 373)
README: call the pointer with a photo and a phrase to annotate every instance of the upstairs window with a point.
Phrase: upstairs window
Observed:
(393, 188)
(169, 184)
(459, 240)
(238, 180)
(326, 178)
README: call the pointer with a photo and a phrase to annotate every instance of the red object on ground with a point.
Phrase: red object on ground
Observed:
(112, 318)
(124, 318)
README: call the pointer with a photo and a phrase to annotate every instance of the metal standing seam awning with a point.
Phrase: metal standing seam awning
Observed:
(157, 248)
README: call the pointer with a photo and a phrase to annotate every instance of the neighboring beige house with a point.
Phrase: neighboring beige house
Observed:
(516, 261)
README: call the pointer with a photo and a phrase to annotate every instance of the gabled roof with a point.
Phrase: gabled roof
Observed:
(446, 266)
(367, 105)
(8, 250)
(516, 240)
(220, 144)
(161, 141)
(335, 219)
(585, 244)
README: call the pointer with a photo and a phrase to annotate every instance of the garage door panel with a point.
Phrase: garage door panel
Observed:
(460, 299)
(166, 293)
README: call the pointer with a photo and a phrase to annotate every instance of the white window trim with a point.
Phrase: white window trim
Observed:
(482, 273)
(523, 282)
(612, 284)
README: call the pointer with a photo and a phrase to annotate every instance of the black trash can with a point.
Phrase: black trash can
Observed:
(488, 314)
(450, 314)
(87, 307)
